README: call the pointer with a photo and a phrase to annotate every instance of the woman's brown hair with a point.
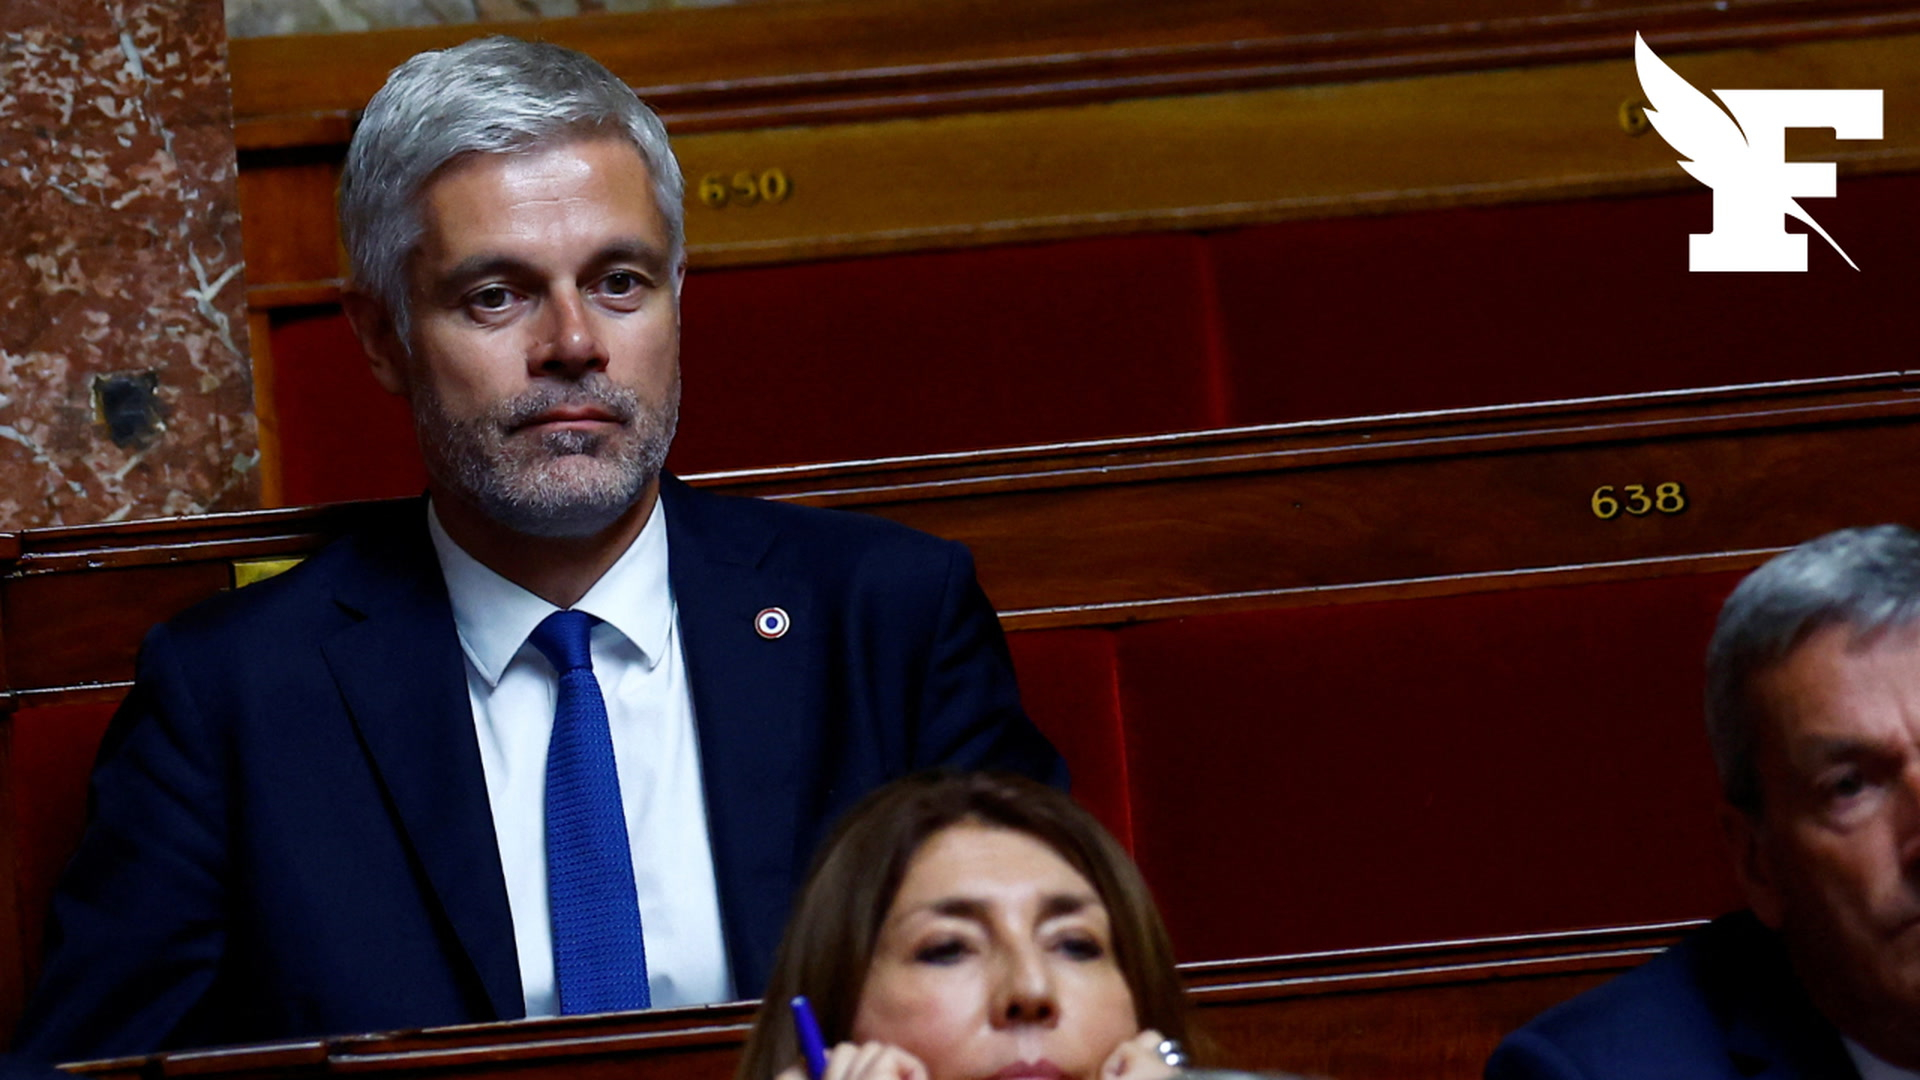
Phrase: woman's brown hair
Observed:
(829, 942)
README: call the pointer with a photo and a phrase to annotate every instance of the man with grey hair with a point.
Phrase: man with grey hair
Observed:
(558, 738)
(1813, 711)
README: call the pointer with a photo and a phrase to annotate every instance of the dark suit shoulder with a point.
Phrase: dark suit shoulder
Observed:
(388, 550)
(1721, 1003)
(241, 655)
(1644, 1023)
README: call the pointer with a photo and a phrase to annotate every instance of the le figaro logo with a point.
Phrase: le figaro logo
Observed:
(1741, 153)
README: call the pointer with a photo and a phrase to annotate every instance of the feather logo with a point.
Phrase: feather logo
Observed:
(1740, 152)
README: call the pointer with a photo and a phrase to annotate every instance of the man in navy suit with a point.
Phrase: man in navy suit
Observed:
(1813, 710)
(559, 738)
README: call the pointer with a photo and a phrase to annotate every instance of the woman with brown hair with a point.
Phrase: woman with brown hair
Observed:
(974, 927)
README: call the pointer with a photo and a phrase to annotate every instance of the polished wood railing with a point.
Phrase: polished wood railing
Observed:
(1114, 531)
(1271, 113)
(1432, 1010)
(1106, 533)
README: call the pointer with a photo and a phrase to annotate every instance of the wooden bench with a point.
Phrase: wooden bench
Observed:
(1432, 1010)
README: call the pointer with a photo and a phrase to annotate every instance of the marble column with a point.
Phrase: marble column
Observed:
(125, 388)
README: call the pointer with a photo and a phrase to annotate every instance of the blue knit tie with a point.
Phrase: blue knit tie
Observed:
(599, 957)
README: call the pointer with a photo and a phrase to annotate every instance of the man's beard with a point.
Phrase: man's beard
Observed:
(559, 483)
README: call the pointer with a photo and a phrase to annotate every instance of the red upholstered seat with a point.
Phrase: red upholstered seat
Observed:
(341, 436)
(1319, 777)
(840, 360)
(1465, 307)
(1070, 686)
(1341, 776)
(52, 752)
(960, 350)
(1113, 336)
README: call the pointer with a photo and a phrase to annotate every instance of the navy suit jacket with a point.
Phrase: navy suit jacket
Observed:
(290, 833)
(1721, 1005)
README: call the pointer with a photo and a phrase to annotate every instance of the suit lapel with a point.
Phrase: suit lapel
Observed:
(1762, 1052)
(755, 703)
(1773, 1032)
(401, 673)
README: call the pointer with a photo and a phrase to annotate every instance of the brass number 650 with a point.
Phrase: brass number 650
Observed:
(745, 188)
(1667, 498)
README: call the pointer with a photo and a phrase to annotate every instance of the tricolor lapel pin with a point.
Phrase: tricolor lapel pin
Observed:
(772, 623)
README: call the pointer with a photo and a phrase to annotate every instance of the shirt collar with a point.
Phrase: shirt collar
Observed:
(1871, 1067)
(494, 615)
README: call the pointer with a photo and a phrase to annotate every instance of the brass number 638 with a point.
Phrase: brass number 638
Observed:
(745, 188)
(1667, 498)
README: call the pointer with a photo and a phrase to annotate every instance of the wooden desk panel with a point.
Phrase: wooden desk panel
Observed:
(76, 601)
(1430, 1010)
(773, 65)
(1257, 151)
(1107, 532)
(1250, 156)
(1301, 513)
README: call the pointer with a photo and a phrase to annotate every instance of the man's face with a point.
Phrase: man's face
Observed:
(1834, 860)
(543, 360)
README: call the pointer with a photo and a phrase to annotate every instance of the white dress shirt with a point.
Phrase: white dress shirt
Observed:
(1872, 1068)
(642, 675)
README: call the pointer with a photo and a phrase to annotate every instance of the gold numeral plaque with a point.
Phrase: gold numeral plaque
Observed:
(1635, 500)
(745, 188)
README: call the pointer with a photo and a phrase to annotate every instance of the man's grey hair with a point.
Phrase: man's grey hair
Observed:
(494, 95)
(1867, 580)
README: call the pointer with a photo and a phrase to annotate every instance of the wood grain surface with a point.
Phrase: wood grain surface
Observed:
(1099, 125)
(1432, 1010)
(1113, 531)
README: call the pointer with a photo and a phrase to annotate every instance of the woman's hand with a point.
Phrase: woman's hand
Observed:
(1138, 1059)
(865, 1061)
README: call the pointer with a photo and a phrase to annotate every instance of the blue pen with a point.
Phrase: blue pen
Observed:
(812, 1046)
